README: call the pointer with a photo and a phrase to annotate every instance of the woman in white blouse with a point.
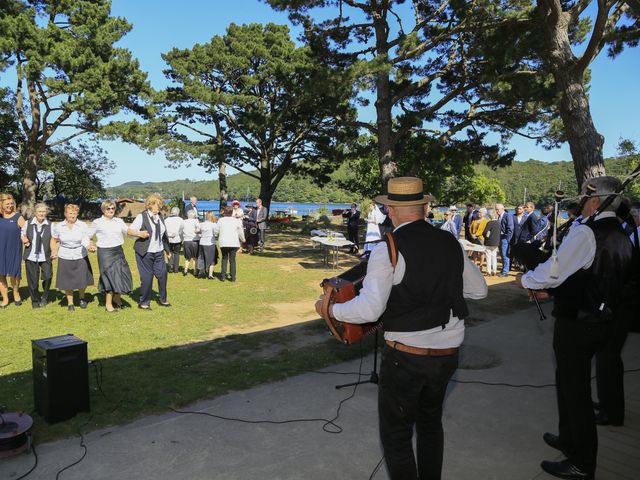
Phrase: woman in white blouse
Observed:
(230, 235)
(70, 241)
(174, 225)
(207, 249)
(115, 274)
(191, 237)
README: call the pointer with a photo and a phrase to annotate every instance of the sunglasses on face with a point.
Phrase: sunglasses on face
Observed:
(109, 208)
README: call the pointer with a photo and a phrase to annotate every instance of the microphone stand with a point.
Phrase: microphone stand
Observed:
(373, 378)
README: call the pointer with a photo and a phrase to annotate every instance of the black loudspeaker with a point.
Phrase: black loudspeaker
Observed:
(60, 377)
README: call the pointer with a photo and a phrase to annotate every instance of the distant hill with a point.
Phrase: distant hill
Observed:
(541, 180)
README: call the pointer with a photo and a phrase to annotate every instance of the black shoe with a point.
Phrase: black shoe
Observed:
(144, 307)
(165, 304)
(71, 308)
(596, 405)
(35, 305)
(502, 274)
(565, 469)
(603, 419)
(553, 441)
(232, 279)
(83, 304)
(43, 303)
(17, 303)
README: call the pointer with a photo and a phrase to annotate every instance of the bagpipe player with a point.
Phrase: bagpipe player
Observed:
(592, 281)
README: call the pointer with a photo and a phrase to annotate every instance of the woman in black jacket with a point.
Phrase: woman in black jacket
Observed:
(491, 244)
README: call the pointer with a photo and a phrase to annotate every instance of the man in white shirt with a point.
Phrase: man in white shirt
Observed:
(592, 282)
(421, 303)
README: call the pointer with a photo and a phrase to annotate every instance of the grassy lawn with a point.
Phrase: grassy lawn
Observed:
(217, 337)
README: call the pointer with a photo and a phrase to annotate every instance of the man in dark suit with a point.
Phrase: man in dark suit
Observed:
(353, 219)
(506, 233)
(191, 206)
(467, 219)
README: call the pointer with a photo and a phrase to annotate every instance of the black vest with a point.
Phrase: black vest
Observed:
(432, 284)
(141, 245)
(46, 240)
(596, 293)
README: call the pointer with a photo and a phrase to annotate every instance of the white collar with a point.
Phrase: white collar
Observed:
(34, 221)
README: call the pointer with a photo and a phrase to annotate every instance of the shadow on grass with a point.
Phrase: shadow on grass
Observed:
(127, 387)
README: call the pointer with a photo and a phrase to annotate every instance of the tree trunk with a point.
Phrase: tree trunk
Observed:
(584, 140)
(222, 181)
(386, 147)
(266, 191)
(29, 184)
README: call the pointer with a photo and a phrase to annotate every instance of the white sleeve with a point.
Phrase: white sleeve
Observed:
(137, 223)
(55, 232)
(86, 235)
(473, 283)
(576, 251)
(25, 227)
(371, 303)
(92, 229)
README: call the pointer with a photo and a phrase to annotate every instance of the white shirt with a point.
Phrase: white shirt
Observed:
(155, 244)
(191, 230)
(74, 239)
(208, 231)
(371, 302)
(35, 256)
(109, 232)
(174, 229)
(230, 232)
(237, 213)
(577, 250)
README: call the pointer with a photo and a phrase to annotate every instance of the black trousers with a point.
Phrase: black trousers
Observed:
(152, 265)
(352, 236)
(174, 264)
(411, 393)
(575, 342)
(35, 272)
(229, 254)
(610, 370)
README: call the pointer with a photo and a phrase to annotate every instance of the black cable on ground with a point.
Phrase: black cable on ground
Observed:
(77, 461)
(376, 468)
(25, 475)
(328, 426)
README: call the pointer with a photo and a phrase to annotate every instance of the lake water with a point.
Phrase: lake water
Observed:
(298, 209)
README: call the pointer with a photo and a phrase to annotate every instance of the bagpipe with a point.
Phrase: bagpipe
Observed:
(345, 287)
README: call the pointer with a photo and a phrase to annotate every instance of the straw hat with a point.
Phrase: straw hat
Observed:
(404, 191)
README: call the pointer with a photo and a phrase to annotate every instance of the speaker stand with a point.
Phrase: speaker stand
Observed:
(373, 378)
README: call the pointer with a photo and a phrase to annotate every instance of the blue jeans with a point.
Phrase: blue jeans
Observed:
(506, 263)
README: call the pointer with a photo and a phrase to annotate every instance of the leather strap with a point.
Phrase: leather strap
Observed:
(427, 352)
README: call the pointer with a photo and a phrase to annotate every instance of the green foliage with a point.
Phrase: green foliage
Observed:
(74, 171)
(71, 77)
(254, 101)
(9, 141)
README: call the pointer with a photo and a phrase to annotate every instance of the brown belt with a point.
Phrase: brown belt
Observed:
(428, 352)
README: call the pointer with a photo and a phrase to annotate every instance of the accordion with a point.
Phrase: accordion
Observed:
(345, 287)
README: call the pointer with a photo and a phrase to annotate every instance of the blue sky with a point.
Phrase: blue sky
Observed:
(159, 25)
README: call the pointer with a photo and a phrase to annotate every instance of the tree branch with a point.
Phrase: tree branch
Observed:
(597, 36)
(74, 135)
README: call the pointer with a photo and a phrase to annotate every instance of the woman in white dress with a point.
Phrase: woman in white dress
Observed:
(374, 219)
(115, 274)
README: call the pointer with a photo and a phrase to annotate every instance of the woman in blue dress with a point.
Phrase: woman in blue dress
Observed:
(11, 223)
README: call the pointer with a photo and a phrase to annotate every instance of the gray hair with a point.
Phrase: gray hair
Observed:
(192, 214)
(175, 211)
(41, 205)
(604, 186)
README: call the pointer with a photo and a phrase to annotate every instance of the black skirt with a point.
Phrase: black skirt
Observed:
(115, 274)
(191, 250)
(74, 274)
(207, 257)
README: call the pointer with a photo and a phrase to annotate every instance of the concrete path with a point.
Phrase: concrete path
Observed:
(492, 432)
